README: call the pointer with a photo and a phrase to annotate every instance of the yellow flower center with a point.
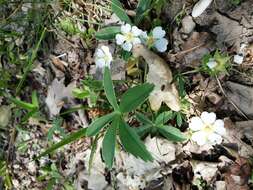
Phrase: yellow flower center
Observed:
(150, 41)
(208, 129)
(129, 37)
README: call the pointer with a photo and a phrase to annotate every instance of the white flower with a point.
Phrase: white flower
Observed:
(156, 39)
(129, 36)
(206, 129)
(103, 57)
(200, 7)
(212, 63)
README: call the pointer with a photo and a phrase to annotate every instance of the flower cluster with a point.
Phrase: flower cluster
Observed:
(130, 36)
(206, 129)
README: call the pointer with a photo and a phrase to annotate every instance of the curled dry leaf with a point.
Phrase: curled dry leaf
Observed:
(58, 94)
(200, 7)
(161, 76)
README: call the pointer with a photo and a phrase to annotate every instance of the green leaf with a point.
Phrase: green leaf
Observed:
(143, 6)
(143, 119)
(132, 143)
(109, 141)
(98, 124)
(135, 96)
(163, 117)
(66, 140)
(143, 130)
(179, 119)
(35, 101)
(23, 104)
(80, 93)
(107, 33)
(119, 11)
(171, 133)
(109, 91)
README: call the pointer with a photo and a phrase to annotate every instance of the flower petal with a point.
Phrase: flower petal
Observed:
(199, 137)
(125, 28)
(144, 34)
(127, 46)
(106, 50)
(136, 31)
(215, 138)
(158, 32)
(219, 127)
(161, 44)
(99, 53)
(212, 64)
(208, 118)
(136, 41)
(120, 39)
(196, 124)
(100, 63)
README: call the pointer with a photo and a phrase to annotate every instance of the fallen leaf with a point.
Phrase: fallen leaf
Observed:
(161, 76)
(58, 94)
(242, 96)
(5, 115)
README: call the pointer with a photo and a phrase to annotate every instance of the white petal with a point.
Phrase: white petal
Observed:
(196, 124)
(200, 7)
(106, 50)
(208, 118)
(99, 53)
(136, 31)
(120, 39)
(212, 64)
(144, 34)
(158, 32)
(215, 138)
(100, 63)
(125, 28)
(219, 127)
(199, 137)
(161, 44)
(136, 41)
(127, 46)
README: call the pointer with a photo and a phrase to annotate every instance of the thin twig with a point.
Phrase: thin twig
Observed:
(231, 101)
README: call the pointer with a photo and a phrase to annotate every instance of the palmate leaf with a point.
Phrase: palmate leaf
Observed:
(119, 11)
(171, 133)
(143, 119)
(135, 96)
(107, 33)
(163, 117)
(108, 148)
(109, 91)
(66, 140)
(99, 123)
(132, 143)
(143, 130)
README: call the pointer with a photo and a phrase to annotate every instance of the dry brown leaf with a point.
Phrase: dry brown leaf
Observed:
(57, 95)
(161, 76)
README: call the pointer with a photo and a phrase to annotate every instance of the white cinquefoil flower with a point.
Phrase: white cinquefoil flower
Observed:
(212, 63)
(129, 37)
(156, 39)
(103, 57)
(206, 129)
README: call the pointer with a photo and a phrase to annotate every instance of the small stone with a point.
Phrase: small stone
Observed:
(220, 185)
(188, 25)
(238, 59)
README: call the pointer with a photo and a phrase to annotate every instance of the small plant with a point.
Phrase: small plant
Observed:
(159, 127)
(216, 64)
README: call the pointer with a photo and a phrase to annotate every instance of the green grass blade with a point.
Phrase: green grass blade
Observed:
(68, 139)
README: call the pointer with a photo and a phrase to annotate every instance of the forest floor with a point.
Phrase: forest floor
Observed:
(51, 88)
